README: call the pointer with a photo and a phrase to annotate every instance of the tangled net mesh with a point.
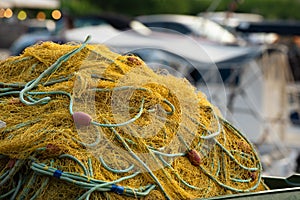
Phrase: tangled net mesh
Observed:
(81, 122)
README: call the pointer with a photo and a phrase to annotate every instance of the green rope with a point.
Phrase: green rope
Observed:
(90, 167)
(30, 85)
(89, 183)
(55, 93)
(234, 159)
(17, 189)
(77, 161)
(4, 196)
(241, 180)
(242, 155)
(177, 175)
(97, 141)
(18, 164)
(140, 161)
(171, 106)
(121, 88)
(107, 184)
(167, 154)
(138, 115)
(82, 178)
(225, 151)
(211, 135)
(28, 186)
(4, 174)
(20, 125)
(41, 169)
(224, 166)
(33, 66)
(40, 190)
(9, 93)
(6, 89)
(183, 141)
(218, 169)
(13, 85)
(22, 59)
(115, 170)
(229, 187)
(59, 80)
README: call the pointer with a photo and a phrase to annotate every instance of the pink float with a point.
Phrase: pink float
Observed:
(82, 119)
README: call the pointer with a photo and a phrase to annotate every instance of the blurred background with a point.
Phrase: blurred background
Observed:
(244, 55)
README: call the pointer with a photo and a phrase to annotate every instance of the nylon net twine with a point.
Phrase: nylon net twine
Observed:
(78, 121)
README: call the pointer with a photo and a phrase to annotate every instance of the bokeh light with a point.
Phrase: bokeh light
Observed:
(2, 11)
(22, 15)
(8, 13)
(41, 16)
(56, 14)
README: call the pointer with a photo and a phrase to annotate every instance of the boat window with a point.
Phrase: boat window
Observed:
(171, 26)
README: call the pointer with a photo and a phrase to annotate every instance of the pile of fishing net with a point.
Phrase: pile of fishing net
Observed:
(78, 121)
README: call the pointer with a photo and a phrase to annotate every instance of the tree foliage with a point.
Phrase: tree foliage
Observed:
(135, 7)
(270, 9)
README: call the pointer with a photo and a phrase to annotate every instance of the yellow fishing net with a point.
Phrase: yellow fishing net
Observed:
(78, 121)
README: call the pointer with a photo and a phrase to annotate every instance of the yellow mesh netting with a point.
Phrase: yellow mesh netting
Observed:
(82, 122)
